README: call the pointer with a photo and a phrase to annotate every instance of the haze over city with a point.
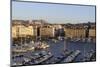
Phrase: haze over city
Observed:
(53, 13)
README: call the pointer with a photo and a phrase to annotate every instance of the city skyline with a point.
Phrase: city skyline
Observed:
(53, 13)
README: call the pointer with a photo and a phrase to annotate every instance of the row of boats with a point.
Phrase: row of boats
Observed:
(89, 40)
(31, 57)
(29, 47)
(45, 57)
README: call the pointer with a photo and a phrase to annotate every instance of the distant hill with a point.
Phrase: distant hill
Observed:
(29, 22)
(43, 22)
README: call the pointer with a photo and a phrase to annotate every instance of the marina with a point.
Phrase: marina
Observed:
(57, 52)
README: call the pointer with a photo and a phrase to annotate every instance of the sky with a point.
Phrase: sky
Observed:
(53, 13)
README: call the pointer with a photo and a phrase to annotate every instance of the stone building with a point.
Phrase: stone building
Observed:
(40, 28)
(22, 31)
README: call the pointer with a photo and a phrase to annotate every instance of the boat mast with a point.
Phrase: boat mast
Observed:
(65, 47)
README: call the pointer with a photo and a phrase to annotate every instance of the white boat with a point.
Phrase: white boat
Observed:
(89, 55)
(71, 57)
